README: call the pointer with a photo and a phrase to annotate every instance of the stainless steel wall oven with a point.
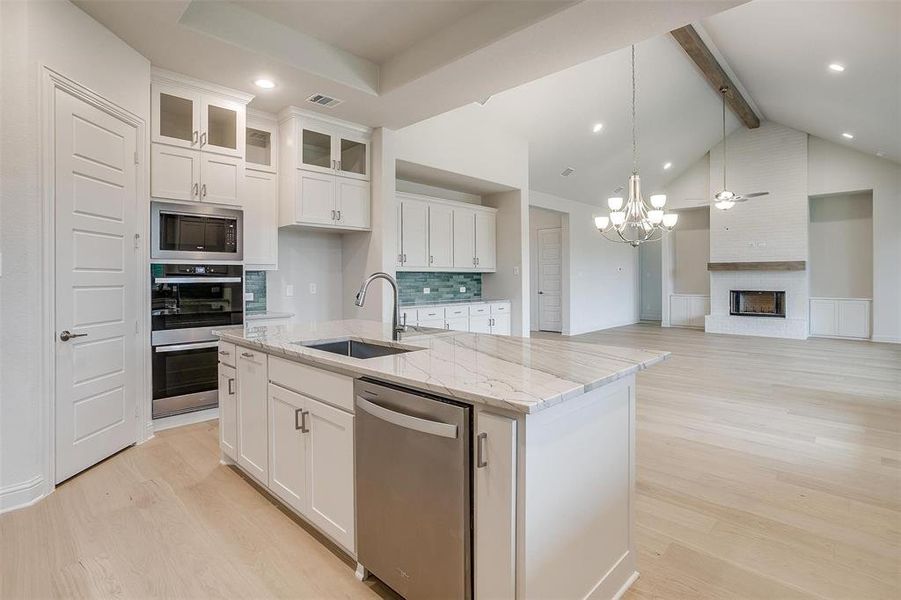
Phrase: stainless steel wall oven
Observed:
(187, 303)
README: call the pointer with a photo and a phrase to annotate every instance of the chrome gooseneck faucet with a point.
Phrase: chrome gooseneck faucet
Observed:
(396, 329)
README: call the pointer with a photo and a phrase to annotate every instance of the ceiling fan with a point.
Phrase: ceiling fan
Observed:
(724, 199)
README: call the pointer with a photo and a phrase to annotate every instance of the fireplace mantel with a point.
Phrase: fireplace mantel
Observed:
(776, 265)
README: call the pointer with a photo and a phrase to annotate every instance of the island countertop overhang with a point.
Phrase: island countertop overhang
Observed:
(522, 375)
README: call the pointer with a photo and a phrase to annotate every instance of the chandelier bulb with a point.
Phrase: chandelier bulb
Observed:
(615, 202)
(601, 223)
(658, 200)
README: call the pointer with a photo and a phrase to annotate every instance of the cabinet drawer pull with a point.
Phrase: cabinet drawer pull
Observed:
(481, 461)
(224, 352)
(302, 426)
(231, 386)
(247, 354)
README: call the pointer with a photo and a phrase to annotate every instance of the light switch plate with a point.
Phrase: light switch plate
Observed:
(426, 290)
(516, 270)
(313, 288)
(289, 290)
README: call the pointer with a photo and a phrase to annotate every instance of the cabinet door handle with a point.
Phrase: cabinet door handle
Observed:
(224, 352)
(339, 165)
(481, 461)
(203, 139)
(194, 140)
(400, 258)
(303, 421)
(247, 354)
(194, 189)
(405, 258)
(431, 259)
(339, 215)
(298, 412)
(231, 386)
(203, 191)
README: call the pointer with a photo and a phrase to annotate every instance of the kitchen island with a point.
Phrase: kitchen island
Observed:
(553, 422)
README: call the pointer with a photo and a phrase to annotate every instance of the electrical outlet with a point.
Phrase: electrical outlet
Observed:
(248, 296)
(516, 270)
(313, 288)
(289, 290)
(426, 290)
(462, 289)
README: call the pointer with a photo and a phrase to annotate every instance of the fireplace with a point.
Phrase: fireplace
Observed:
(757, 303)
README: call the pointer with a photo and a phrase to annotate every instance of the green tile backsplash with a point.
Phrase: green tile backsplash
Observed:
(255, 282)
(443, 286)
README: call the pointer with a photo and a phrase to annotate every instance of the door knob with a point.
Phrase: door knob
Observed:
(540, 292)
(66, 335)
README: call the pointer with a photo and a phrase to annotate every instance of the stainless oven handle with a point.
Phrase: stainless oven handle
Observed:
(408, 421)
(180, 347)
(196, 280)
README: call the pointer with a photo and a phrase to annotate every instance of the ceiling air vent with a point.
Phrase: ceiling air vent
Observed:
(567, 172)
(323, 100)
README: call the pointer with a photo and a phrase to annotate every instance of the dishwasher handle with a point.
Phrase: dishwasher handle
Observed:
(408, 421)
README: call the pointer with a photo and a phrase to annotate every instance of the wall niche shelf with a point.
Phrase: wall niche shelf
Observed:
(776, 265)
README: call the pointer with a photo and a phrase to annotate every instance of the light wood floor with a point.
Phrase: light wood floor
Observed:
(766, 469)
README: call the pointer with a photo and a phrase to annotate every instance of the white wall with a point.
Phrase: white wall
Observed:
(841, 246)
(602, 275)
(62, 37)
(691, 252)
(692, 186)
(834, 168)
(539, 218)
(307, 257)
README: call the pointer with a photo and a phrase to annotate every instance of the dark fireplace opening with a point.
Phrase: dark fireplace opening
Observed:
(757, 303)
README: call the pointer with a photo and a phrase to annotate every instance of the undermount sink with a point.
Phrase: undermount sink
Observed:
(355, 349)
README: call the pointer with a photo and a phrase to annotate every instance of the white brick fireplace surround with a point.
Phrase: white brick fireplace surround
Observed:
(793, 283)
(771, 158)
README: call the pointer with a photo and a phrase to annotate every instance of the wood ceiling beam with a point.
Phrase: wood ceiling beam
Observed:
(698, 51)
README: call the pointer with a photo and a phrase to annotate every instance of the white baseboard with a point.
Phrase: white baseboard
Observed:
(185, 419)
(886, 339)
(616, 581)
(20, 495)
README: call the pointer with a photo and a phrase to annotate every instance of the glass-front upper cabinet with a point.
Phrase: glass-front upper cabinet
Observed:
(176, 116)
(353, 157)
(316, 150)
(260, 143)
(222, 124)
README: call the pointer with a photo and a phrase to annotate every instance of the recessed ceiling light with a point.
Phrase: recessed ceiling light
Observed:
(836, 67)
(266, 84)
(597, 127)
(667, 165)
(847, 135)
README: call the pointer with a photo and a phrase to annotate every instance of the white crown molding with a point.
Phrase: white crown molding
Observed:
(170, 77)
(434, 200)
(293, 111)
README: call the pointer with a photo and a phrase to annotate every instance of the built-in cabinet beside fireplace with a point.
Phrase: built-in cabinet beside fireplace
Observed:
(840, 317)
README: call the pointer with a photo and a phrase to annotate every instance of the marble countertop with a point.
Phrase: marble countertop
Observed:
(519, 374)
(451, 302)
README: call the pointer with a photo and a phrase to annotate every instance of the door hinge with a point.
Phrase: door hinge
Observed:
(136, 158)
(137, 327)
(137, 241)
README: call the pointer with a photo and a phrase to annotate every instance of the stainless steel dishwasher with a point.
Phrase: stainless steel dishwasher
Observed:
(414, 506)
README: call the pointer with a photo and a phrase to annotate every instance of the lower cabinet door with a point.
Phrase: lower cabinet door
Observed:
(288, 419)
(495, 507)
(222, 179)
(253, 410)
(228, 417)
(352, 202)
(480, 324)
(500, 324)
(457, 323)
(330, 472)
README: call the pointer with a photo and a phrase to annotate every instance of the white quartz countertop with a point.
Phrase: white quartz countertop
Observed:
(520, 374)
(430, 303)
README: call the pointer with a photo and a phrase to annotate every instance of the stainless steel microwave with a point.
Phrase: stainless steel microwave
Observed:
(196, 232)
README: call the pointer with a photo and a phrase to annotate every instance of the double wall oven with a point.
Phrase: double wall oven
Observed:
(188, 302)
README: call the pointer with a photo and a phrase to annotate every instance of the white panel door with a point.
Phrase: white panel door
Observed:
(486, 240)
(330, 471)
(222, 179)
(550, 279)
(287, 446)
(315, 202)
(823, 317)
(415, 233)
(464, 238)
(441, 236)
(253, 410)
(480, 324)
(352, 202)
(260, 219)
(228, 416)
(174, 173)
(495, 507)
(698, 308)
(96, 291)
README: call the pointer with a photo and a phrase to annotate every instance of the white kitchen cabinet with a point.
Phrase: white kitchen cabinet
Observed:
(175, 115)
(486, 241)
(441, 236)
(288, 457)
(324, 172)
(228, 425)
(688, 310)
(480, 324)
(221, 179)
(475, 318)
(261, 142)
(457, 323)
(260, 220)
(253, 421)
(494, 478)
(415, 234)
(500, 324)
(330, 471)
(464, 238)
(174, 173)
(840, 317)
(222, 126)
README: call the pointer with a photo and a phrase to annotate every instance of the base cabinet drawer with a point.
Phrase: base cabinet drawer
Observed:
(495, 507)
(325, 386)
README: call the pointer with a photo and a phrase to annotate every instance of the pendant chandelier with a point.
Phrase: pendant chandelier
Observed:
(636, 222)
